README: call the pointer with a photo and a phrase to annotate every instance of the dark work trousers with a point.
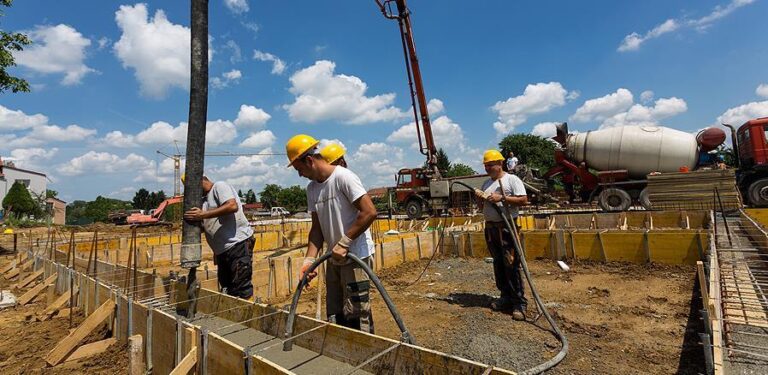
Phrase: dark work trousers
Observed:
(507, 275)
(235, 268)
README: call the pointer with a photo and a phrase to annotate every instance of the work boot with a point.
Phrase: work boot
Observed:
(501, 304)
(518, 314)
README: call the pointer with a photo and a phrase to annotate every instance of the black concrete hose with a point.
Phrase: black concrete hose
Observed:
(510, 224)
(288, 344)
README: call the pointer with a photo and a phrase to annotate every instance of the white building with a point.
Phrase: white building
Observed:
(36, 182)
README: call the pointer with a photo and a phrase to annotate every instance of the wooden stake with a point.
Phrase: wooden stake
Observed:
(89, 350)
(186, 364)
(136, 358)
(32, 293)
(68, 344)
(57, 304)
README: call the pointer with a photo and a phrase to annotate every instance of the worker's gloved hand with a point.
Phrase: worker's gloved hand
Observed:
(194, 214)
(305, 267)
(339, 252)
(494, 198)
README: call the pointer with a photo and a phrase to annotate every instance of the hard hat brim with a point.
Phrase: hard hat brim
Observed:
(303, 154)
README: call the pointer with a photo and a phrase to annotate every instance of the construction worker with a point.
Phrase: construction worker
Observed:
(342, 213)
(511, 162)
(228, 234)
(333, 153)
(506, 266)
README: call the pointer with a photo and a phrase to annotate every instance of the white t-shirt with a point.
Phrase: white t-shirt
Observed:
(511, 163)
(513, 186)
(333, 200)
(224, 231)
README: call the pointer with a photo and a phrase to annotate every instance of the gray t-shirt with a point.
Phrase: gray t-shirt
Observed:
(512, 184)
(333, 201)
(223, 232)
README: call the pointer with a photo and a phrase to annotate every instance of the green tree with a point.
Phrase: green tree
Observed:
(270, 195)
(11, 42)
(76, 213)
(531, 150)
(250, 197)
(240, 194)
(443, 164)
(293, 198)
(141, 199)
(459, 169)
(51, 193)
(98, 209)
(19, 202)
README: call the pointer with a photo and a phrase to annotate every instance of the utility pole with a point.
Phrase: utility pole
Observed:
(191, 248)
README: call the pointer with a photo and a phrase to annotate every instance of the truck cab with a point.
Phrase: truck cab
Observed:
(750, 144)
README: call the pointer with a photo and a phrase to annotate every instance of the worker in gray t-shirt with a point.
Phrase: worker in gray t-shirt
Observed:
(506, 266)
(228, 234)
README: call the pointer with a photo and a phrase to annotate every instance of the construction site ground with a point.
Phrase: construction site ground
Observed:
(25, 340)
(620, 318)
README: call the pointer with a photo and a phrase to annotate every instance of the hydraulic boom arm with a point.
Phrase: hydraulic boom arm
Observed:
(418, 99)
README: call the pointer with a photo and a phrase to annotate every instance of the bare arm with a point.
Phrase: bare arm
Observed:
(365, 217)
(196, 214)
(315, 242)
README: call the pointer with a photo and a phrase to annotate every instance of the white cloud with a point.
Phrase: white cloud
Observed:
(237, 6)
(639, 114)
(536, 99)
(232, 76)
(260, 139)
(435, 106)
(762, 90)
(155, 48)
(251, 117)
(123, 193)
(56, 49)
(634, 41)
(278, 65)
(11, 120)
(646, 96)
(601, 108)
(94, 162)
(447, 134)
(323, 95)
(237, 55)
(43, 134)
(377, 163)
(743, 113)
(119, 139)
(104, 42)
(217, 132)
(545, 129)
(33, 154)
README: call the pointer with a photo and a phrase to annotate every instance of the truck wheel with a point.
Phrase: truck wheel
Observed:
(413, 209)
(644, 199)
(758, 193)
(614, 199)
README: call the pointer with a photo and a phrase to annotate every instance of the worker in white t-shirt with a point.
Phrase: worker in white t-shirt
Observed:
(511, 162)
(506, 266)
(341, 212)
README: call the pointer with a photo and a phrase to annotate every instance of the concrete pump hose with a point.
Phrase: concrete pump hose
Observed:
(288, 344)
(518, 252)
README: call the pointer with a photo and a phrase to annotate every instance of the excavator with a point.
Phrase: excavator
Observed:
(423, 189)
(155, 214)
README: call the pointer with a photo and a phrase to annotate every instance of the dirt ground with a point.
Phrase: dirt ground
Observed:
(25, 341)
(618, 318)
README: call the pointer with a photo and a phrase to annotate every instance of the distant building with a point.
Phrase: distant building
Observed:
(58, 210)
(35, 182)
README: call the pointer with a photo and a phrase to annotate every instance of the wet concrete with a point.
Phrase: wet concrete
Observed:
(299, 360)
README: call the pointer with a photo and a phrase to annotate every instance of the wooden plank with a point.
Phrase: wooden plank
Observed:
(13, 273)
(163, 342)
(67, 344)
(8, 267)
(29, 279)
(26, 264)
(91, 349)
(703, 287)
(57, 304)
(32, 293)
(186, 364)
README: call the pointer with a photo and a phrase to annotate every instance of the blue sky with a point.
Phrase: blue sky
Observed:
(110, 81)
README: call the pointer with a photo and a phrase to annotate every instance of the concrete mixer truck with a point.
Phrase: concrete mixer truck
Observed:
(611, 165)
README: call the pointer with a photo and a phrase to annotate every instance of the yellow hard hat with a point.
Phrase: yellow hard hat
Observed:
(332, 152)
(298, 145)
(492, 155)
(184, 178)
(8, 231)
